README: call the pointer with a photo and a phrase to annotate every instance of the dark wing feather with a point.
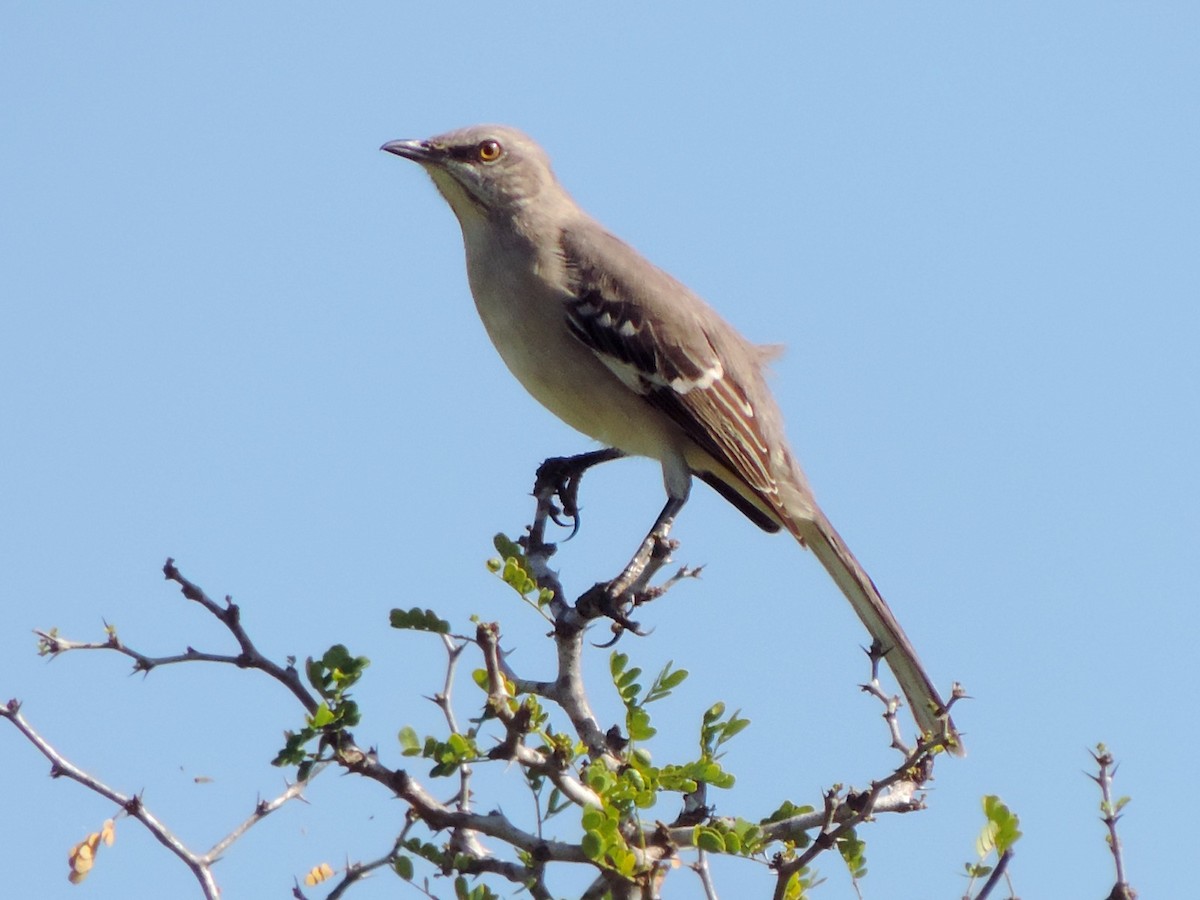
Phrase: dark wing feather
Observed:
(674, 358)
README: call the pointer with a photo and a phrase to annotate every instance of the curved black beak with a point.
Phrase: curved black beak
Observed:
(417, 151)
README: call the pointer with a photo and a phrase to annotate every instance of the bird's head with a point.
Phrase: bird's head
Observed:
(488, 170)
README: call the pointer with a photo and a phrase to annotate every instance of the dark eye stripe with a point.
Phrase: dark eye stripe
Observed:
(470, 152)
(465, 154)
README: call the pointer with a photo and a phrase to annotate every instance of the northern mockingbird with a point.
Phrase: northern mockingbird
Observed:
(624, 353)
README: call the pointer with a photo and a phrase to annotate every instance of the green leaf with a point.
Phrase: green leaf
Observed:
(638, 723)
(514, 574)
(592, 846)
(787, 810)
(336, 657)
(723, 780)
(709, 839)
(598, 778)
(410, 744)
(733, 727)
(403, 867)
(664, 682)
(673, 680)
(417, 619)
(853, 853)
(616, 664)
(627, 677)
(1001, 831)
(508, 548)
(316, 673)
(622, 859)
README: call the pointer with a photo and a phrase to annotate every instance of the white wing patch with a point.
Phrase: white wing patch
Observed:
(707, 379)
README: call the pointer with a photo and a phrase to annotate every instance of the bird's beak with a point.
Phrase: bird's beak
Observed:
(417, 151)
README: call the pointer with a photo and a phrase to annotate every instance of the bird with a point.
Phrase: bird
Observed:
(626, 354)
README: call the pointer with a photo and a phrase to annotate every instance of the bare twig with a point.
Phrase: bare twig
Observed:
(891, 702)
(516, 726)
(250, 658)
(444, 702)
(701, 868)
(200, 866)
(262, 809)
(997, 873)
(355, 872)
(1111, 814)
(51, 643)
(199, 863)
(842, 812)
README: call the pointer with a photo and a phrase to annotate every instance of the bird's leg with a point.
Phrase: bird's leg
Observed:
(559, 477)
(611, 598)
(655, 545)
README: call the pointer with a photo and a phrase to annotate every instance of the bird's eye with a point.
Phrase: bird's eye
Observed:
(488, 151)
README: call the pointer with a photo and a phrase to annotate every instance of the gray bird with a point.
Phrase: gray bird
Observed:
(621, 351)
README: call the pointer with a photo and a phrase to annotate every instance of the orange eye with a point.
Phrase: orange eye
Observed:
(488, 151)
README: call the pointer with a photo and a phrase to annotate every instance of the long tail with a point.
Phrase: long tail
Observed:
(819, 535)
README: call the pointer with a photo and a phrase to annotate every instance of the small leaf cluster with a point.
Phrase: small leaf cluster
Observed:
(448, 755)
(1000, 833)
(513, 569)
(319, 873)
(716, 731)
(603, 841)
(331, 676)
(83, 855)
(789, 810)
(402, 865)
(799, 884)
(464, 891)
(733, 836)
(417, 619)
(635, 785)
(637, 720)
(563, 751)
(854, 853)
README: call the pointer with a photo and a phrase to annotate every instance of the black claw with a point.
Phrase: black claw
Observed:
(559, 477)
(555, 512)
(621, 625)
(617, 632)
(568, 495)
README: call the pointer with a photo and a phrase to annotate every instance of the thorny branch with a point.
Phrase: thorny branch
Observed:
(200, 864)
(229, 615)
(895, 793)
(1111, 810)
(455, 816)
(652, 845)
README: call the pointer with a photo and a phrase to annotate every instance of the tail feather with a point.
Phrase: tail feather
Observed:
(819, 535)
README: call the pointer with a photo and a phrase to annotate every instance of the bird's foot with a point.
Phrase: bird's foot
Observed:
(616, 599)
(559, 477)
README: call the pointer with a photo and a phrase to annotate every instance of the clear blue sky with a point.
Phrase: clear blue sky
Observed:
(236, 333)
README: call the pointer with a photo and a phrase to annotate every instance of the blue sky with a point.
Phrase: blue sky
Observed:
(236, 333)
